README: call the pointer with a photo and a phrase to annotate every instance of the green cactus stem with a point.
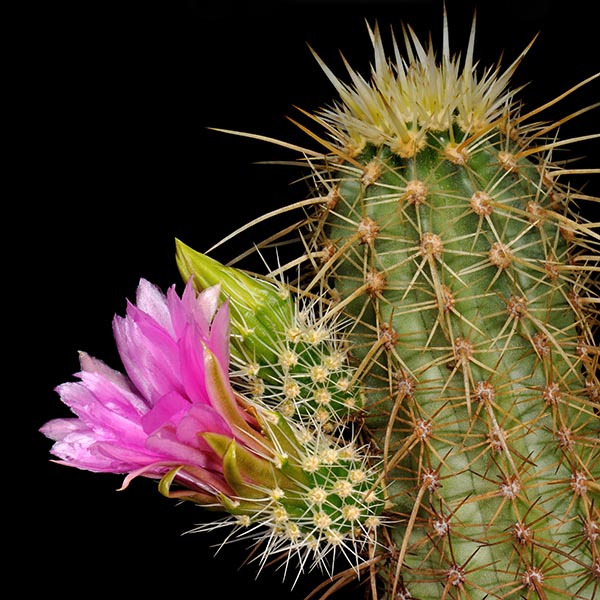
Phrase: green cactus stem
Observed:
(444, 235)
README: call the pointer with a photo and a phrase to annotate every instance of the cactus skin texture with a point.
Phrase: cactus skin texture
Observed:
(441, 230)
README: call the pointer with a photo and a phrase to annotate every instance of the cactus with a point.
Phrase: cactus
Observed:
(440, 233)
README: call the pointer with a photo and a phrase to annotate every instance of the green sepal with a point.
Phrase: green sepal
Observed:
(240, 465)
(236, 463)
(224, 400)
(164, 487)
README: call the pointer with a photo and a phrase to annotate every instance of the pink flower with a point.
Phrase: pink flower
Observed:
(152, 420)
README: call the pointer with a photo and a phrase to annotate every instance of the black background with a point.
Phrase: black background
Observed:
(114, 159)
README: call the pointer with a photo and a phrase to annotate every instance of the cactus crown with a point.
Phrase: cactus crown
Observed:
(415, 94)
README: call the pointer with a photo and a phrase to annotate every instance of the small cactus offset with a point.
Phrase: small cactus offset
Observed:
(440, 234)
(324, 495)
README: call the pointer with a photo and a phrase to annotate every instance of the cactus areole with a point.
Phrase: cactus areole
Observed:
(440, 231)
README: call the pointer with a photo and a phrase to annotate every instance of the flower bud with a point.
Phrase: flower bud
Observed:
(289, 351)
(258, 308)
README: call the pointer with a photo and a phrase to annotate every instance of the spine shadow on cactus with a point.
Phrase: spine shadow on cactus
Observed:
(439, 231)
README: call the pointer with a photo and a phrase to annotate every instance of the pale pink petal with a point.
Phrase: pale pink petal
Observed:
(95, 365)
(105, 419)
(219, 338)
(150, 358)
(152, 301)
(76, 446)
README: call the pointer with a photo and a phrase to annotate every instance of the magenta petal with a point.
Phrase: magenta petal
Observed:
(199, 419)
(168, 410)
(193, 376)
(165, 443)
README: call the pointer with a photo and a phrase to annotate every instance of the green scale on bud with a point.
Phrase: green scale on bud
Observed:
(448, 243)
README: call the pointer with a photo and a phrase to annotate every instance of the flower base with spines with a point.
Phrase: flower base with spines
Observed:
(323, 502)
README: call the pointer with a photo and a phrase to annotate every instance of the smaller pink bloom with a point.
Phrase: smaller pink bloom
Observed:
(175, 351)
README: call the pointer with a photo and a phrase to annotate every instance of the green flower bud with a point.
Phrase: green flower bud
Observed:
(289, 355)
(258, 308)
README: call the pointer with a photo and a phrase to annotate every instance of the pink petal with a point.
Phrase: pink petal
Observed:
(199, 419)
(168, 410)
(149, 356)
(165, 443)
(152, 301)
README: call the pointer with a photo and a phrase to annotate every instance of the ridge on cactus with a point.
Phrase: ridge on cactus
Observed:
(441, 229)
